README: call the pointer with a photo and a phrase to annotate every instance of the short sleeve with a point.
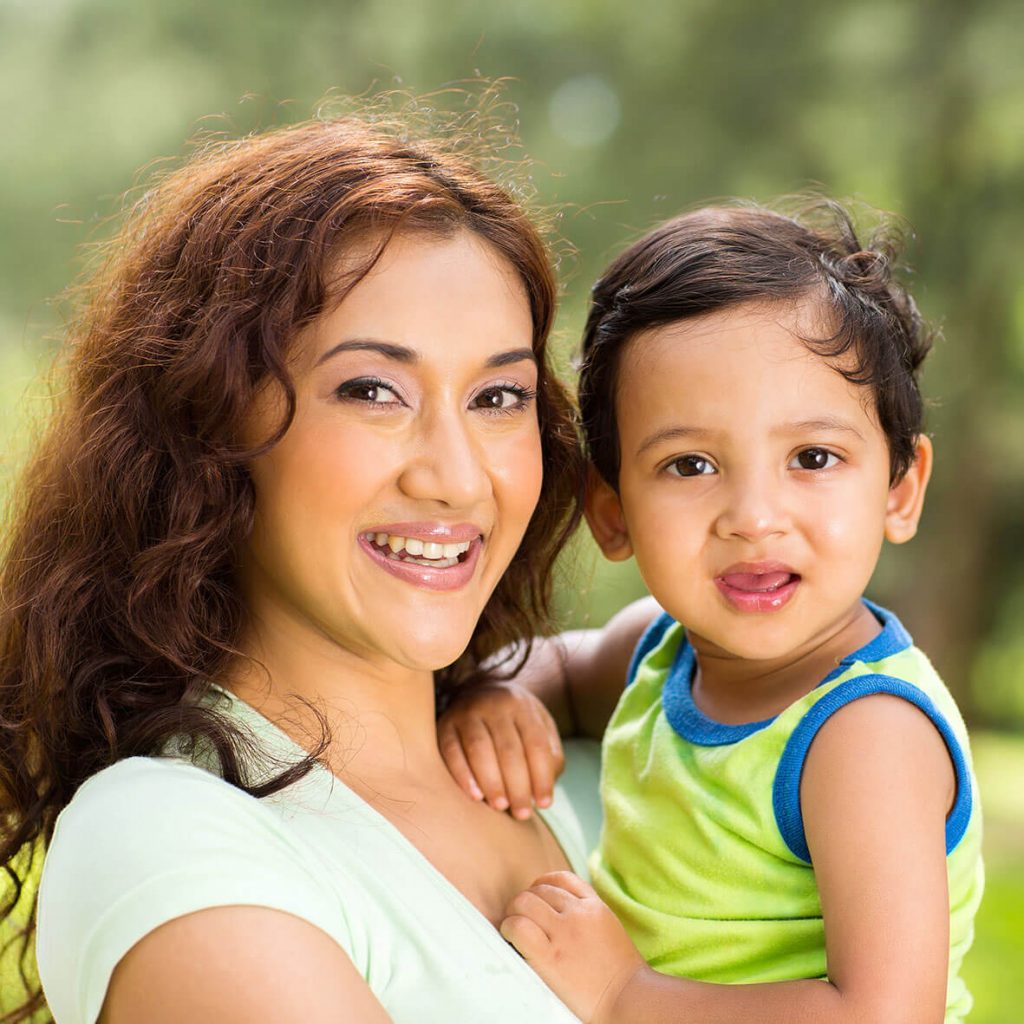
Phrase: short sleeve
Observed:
(143, 842)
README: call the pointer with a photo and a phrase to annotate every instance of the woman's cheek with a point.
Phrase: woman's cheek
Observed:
(534, 457)
(518, 477)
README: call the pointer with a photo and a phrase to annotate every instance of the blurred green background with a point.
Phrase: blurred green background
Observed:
(631, 112)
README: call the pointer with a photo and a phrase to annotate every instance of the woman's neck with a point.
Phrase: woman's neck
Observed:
(735, 690)
(380, 714)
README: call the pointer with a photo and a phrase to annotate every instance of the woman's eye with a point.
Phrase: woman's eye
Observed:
(691, 465)
(369, 390)
(506, 398)
(814, 458)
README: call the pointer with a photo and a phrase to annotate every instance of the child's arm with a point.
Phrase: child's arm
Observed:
(876, 789)
(501, 742)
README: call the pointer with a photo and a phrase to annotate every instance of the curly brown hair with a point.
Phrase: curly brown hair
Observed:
(118, 594)
(719, 256)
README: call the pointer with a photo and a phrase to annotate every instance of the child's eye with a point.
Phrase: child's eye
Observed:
(691, 465)
(370, 390)
(503, 398)
(814, 458)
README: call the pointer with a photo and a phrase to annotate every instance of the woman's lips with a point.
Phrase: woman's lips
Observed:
(440, 577)
(752, 591)
(445, 533)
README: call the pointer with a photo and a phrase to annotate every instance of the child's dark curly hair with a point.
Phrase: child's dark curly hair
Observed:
(719, 256)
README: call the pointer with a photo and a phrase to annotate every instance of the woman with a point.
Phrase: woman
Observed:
(292, 501)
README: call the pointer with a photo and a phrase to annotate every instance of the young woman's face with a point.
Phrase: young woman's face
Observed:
(396, 500)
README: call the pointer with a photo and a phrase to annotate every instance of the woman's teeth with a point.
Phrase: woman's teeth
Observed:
(422, 552)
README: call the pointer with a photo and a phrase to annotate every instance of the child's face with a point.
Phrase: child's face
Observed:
(754, 485)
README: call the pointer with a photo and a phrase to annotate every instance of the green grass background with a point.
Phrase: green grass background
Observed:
(994, 968)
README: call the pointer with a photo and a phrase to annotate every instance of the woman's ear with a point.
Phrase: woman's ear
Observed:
(603, 510)
(906, 496)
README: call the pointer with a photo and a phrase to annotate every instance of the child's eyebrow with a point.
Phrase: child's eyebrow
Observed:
(830, 424)
(823, 424)
(674, 434)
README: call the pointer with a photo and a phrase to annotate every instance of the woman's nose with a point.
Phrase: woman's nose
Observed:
(447, 464)
(754, 509)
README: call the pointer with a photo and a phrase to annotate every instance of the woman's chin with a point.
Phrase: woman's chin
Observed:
(429, 654)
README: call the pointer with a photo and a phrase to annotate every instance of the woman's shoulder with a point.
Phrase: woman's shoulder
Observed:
(140, 778)
(151, 786)
(145, 804)
(146, 817)
(148, 840)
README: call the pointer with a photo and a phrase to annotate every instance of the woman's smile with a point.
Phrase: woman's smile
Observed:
(305, 420)
(388, 512)
(431, 555)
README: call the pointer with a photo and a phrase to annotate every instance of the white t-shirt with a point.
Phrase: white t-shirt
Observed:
(151, 839)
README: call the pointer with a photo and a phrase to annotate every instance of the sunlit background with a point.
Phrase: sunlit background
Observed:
(631, 112)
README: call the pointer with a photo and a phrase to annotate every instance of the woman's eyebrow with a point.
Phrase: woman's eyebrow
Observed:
(514, 355)
(388, 349)
(402, 354)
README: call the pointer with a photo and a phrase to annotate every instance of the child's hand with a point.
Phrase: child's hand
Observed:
(574, 942)
(501, 745)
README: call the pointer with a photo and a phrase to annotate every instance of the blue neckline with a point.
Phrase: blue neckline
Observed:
(694, 726)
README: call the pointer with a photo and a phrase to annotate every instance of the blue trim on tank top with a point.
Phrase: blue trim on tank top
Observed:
(694, 726)
(786, 789)
(649, 639)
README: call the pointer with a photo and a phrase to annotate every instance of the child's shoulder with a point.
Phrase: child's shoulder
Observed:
(854, 713)
(890, 664)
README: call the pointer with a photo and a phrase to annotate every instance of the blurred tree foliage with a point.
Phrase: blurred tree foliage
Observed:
(633, 112)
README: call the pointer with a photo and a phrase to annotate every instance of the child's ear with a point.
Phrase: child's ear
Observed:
(906, 497)
(604, 516)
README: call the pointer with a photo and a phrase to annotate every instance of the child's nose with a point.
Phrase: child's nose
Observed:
(754, 509)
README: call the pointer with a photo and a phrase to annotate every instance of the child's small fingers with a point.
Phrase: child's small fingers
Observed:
(478, 749)
(525, 935)
(542, 773)
(544, 758)
(451, 751)
(515, 771)
(572, 883)
(532, 905)
(557, 750)
(557, 897)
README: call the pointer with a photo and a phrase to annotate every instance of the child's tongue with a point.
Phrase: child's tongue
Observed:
(757, 581)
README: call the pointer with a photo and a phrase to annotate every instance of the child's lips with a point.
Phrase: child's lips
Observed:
(750, 588)
(756, 582)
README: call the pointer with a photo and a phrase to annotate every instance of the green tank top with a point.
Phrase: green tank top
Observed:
(702, 853)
